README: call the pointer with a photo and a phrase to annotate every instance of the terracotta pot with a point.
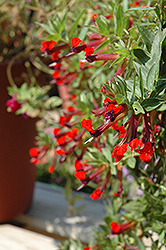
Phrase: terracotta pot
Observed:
(17, 174)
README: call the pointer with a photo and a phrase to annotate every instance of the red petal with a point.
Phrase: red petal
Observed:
(75, 41)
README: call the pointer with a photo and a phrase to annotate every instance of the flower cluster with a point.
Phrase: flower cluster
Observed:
(114, 115)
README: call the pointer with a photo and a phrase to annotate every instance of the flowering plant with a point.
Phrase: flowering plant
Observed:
(113, 124)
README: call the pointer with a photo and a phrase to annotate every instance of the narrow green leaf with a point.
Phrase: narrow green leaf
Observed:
(75, 23)
(117, 61)
(140, 8)
(138, 108)
(120, 79)
(52, 25)
(46, 28)
(108, 87)
(95, 29)
(139, 242)
(63, 20)
(103, 27)
(150, 78)
(141, 85)
(103, 45)
(123, 85)
(119, 20)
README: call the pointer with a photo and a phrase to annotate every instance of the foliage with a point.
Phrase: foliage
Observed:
(113, 126)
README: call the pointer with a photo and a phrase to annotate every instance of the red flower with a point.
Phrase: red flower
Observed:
(47, 45)
(61, 140)
(72, 133)
(75, 41)
(116, 194)
(80, 175)
(81, 64)
(87, 124)
(93, 16)
(145, 157)
(115, 227)
(88, 51)
(135, 143)
(55, 56)
(121, 228)
(56, 131)
(119, 151)
(147, 149)
(70, 108)
(60, 152)
(64, 119)
(51, 169)
(60, 81)
(73, 97)
(112, 107)
(33, 152)
(96, 194)
(121, 129)
(56, 74)
(78, 165)
(34, 161)
(115, 126)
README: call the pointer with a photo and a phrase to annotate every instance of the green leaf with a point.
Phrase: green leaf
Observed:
(95, 29)
(107, 154)
(152, 103)
(52, 25)
(103, 45)
(119, 20)
(83, 33)
(154, 62)
(162, 107)
(147, 36)
(46, 28)
(141, 55)
(123, 86)
(103, 27)
(53, 102)
(141, 85)
(76, 23)
(144, 71)
(117, 61)
(63, 20)
(131, 162)
(139, 242)
(55, 37)
(109, 88)
(159, 88)
(162, 236)
(119, 98)
(138, 108)
(136, 206)
(97, 155)
(140, 8)
(151, 77)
